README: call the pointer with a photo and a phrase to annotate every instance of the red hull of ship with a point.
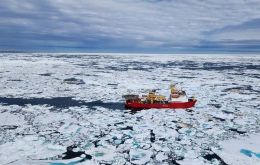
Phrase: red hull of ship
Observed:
(172, 105)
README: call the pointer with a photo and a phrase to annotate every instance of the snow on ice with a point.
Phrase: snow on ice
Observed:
(68, 109)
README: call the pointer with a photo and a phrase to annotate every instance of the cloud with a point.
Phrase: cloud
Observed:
(126, 24)
(249, 30)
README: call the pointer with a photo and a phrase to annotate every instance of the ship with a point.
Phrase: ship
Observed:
(177, 100)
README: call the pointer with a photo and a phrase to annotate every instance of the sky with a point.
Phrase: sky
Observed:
(149, 26)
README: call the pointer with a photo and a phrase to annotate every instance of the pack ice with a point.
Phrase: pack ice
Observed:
(66, 109)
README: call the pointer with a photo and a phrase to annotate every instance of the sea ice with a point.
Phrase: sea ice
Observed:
(50, 103)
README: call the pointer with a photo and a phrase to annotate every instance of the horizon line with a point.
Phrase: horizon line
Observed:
(131, 53)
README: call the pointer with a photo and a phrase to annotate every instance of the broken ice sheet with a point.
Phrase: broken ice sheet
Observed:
(49, 102)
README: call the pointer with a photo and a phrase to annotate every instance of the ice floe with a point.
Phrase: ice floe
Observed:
(68, 109)
(241, 150)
